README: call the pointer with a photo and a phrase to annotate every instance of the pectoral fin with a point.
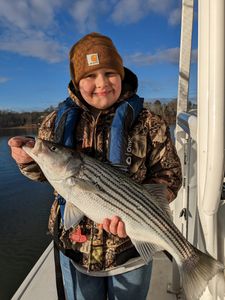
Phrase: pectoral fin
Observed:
(72, 215)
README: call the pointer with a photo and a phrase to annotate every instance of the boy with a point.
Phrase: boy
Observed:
(104, 118)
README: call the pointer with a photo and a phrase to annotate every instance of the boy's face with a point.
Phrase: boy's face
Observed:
(101, 88)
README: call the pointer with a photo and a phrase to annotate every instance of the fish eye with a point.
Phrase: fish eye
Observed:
(53, 148)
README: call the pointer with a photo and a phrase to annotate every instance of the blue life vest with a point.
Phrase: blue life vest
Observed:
(119, 150)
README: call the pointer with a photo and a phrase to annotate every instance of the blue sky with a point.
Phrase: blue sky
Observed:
(36, 36)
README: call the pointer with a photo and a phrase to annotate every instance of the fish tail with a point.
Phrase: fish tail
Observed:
(198, 271)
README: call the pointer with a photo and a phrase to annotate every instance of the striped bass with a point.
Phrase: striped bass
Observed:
(100, 191)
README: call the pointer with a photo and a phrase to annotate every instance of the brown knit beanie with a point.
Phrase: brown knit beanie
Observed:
(92, 52)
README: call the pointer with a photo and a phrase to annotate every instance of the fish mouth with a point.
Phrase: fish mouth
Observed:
(28, 150)
(33, 152)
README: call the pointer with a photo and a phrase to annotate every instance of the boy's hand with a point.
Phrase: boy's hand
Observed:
(115, 226)
(16, 143)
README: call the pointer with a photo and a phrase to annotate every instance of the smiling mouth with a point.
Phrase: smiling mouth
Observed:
(105, 93)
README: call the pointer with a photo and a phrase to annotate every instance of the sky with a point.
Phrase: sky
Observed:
(36, 36)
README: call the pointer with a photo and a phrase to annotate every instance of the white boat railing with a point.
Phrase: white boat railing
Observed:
(40, 283)
(202, 148)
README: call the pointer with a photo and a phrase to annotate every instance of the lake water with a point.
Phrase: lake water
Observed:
(24, 210)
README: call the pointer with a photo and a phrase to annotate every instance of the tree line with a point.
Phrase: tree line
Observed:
(168, 110)
(9, 119)
(27, 119)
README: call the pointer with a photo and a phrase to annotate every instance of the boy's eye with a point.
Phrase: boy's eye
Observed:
(90, 76)
(109, 74)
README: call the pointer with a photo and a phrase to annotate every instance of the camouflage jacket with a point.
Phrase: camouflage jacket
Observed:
(154, 160)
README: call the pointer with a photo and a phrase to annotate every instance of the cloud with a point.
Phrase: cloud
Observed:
(80, 11)
(29, 28)
(161, 7)
(26, 14)
(34, 44)
(194, 55)
(131, 11)
(35, 28)
(170, 55)
(86, 13)
(3, 79)
(175, 17)
(128, 11)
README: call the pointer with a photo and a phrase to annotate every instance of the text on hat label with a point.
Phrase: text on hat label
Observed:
(92, 59)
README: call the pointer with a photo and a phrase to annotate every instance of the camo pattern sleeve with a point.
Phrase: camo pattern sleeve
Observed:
(162, 161)
(46, 130)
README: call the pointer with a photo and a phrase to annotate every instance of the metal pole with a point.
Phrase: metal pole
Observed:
(185, 54)
(182, 104)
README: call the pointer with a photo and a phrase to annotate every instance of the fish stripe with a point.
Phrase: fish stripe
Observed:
(139, 196)
(151, 207)
(155, 221)
(126, 191)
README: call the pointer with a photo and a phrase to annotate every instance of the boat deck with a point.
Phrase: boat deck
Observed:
(40, 282)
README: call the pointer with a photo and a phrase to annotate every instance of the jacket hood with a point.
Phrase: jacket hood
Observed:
(129, 89)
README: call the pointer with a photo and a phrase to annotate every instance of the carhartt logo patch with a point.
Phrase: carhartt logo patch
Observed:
(92, 59)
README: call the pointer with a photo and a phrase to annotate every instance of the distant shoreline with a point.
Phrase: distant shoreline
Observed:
(33, 126)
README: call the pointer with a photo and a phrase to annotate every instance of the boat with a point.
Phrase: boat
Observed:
(198, 210)
(40, 283)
